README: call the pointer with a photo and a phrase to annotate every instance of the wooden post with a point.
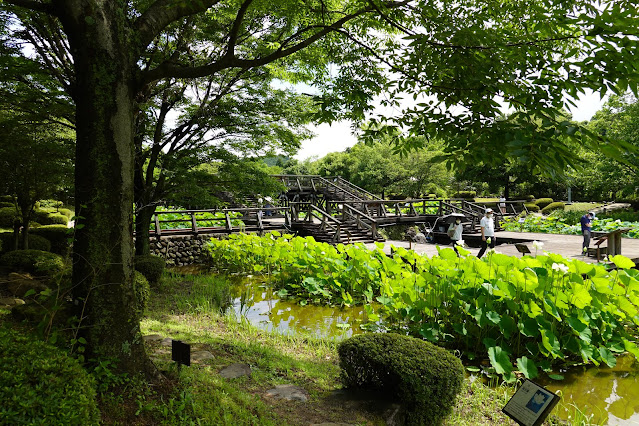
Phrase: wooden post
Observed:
(158, 231)
(228, 221)
(193, 223)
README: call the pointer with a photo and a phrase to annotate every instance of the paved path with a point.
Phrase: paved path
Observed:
(568, 246)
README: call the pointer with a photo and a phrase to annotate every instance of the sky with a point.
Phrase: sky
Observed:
(338, 136)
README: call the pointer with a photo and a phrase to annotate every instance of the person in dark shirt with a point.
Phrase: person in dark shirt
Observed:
(586, 224)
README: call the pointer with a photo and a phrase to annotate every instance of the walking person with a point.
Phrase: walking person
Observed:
(586, 224)
(487, 226)
(455, 233)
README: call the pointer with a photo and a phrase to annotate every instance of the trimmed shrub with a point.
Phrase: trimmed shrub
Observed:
(7, 198)
(142, 291)
(467, 195)
(557, 205)
(33, 261)
(7, 216)
(424, 377)
(543, 202)
(532, 207)
(66, 212)
(49, 216)
(58, 235)
(4, 204)
(150, 266)
(43, 385)
(37, 242)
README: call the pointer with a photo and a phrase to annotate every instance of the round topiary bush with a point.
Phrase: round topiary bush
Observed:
(33, 261)
(142, 291)
(532, 207)
(543, 202)
(4, 204)
(58, 235)
(43, 385)
(7, 216)
(557, 205)
(152, 267)
(66, 212)
(424, 377)
(37, 242)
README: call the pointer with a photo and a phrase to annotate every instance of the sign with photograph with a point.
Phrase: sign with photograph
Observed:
(531, 404)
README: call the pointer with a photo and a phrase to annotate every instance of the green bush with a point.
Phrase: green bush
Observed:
(66, 212)
(58, 235)
(7, 216)
(467, 195)
(424, 377)
(557, 205)
(37, 242)
(532, 207)
(7, 198)
(49, 216)
(33, 261)
(40, 384)
(543, 202)
(152, 267)
(142, 291)
(4, 204)
(44, 204)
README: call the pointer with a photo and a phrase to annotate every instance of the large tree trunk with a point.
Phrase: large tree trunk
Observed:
(103, 246)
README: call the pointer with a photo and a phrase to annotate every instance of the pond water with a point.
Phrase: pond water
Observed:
(257, 302)
(610, 394)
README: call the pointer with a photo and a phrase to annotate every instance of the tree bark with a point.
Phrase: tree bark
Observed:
(142, 223)
(103, 246)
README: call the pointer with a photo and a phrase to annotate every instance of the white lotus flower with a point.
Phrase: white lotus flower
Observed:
(537, 245)
(560, 267)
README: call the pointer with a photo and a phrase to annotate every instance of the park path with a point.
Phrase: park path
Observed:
(568, 246)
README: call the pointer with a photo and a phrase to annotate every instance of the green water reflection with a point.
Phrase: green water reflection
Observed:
(256, 301)
(611, 394)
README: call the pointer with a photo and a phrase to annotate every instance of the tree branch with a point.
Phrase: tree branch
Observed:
(162, 13)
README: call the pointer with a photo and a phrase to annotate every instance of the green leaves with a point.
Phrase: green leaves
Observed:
(525, 311)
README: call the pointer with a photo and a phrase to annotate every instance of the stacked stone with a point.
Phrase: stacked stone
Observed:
(180, 250)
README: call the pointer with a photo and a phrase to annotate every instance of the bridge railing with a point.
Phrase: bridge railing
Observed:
(362, 220)
(327, 221)
(218, 219)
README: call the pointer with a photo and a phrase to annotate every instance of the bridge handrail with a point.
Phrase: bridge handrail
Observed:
(339, 188)
(352, 185)
(357, 214)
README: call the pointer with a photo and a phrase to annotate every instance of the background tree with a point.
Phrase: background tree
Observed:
(36, 160)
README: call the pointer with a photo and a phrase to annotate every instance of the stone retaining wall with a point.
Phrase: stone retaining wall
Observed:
(181, 250)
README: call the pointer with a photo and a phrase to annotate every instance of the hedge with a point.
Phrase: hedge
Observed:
(7, 216)
(152, 267)
(422, 376)
(58, 235)
(33, 261)
(543, 202)
(40, 384)
(557, 205)
(532, 207)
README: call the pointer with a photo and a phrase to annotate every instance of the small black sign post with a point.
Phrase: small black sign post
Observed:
(181, 353)
(531, 404)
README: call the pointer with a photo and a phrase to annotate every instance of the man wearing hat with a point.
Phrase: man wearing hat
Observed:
(586, 224)
(487, 225)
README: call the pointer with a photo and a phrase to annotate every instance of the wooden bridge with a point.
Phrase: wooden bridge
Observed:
(330, 209)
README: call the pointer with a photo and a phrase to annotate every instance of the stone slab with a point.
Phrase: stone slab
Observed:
(288, 392)
(235, 370)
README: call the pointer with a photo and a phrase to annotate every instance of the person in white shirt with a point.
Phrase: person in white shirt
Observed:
(487, 225)
(455, 233)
